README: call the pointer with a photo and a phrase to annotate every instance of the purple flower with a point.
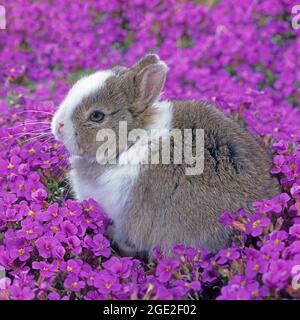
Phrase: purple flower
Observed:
(253, 267)
(11, 165)
(30, 230)
(166, 268)
(179, 249)
(278, 274)
(181, 288)
(265, 206)
(94, 295)
(18, 293)
(278, 162)
(21, 252)
(72, 266)
(119, 266)
(234, 292)
(52, 214)
(99, 245)
(46, 269)
(39, 195)
(73, 283)
(46, 246)
(227, 255)
(295, 191)
(256, 225)
(257, 292)
(59, 252)
(106, 282)
(74, 244)
(226, 218)
(295, 230)
(278, 238)
(68, 228)
(270, 250)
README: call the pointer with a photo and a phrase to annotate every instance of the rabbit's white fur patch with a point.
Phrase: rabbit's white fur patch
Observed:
(163, 117)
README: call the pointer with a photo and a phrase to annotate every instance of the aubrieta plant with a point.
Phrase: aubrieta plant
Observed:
(242, 57)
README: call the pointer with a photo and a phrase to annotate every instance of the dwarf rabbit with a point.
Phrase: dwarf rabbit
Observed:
(158, 204)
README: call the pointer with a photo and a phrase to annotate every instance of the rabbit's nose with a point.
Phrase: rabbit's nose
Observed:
(59, 127)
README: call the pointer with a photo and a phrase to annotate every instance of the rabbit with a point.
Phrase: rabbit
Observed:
(159, 204)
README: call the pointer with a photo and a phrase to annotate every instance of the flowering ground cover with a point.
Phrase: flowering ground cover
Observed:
(244, 58)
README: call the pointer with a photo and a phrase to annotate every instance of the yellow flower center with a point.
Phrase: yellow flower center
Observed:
(74, 284)
(107, 285)
(53, 228)
(21, 251)
(69, 269)
(29, 231)
(31, 151)
(31, 213)
(256, 224)
(12, 70)
(21, 186)
(256, 267)
(254, 293)
(10, 166)
(70, 213)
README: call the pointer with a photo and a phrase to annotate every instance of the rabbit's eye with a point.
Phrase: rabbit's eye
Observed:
(97, 116)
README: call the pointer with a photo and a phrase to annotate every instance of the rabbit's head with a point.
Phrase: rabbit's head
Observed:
(103, 99)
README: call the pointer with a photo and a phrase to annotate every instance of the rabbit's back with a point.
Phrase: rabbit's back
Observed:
(168, 206)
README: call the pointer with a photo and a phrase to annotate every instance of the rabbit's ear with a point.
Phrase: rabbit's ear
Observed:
(146, 60)
(149, 83)
(119, 70)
